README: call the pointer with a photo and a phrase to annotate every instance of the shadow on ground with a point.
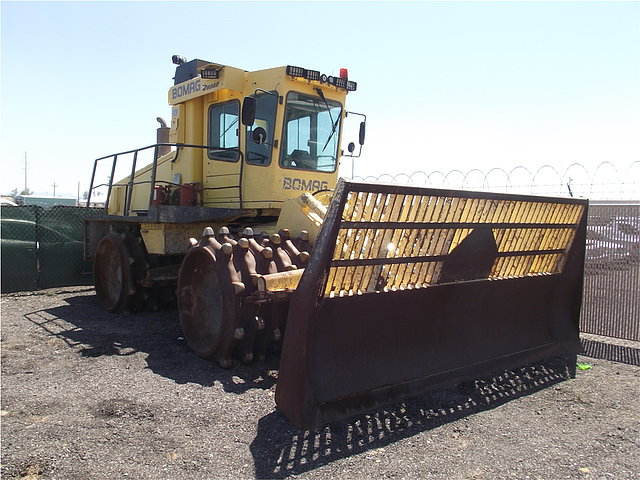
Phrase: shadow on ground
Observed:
(281, 450)
(613, 353)
(92, 332)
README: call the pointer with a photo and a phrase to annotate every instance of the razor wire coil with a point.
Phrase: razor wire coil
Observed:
(605, 181)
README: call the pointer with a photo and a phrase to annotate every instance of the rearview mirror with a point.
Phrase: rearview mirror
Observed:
(248, 111)
(351, 147)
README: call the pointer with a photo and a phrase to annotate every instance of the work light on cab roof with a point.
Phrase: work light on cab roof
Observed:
(342, 81)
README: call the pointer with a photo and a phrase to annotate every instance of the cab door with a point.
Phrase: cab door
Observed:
(223, 166)
(261, 144)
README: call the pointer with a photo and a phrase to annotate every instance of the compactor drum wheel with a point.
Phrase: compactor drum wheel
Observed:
(111, 272)
(220, 312)
(206, 310)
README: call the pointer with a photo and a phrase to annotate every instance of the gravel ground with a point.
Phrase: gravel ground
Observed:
(87, 395)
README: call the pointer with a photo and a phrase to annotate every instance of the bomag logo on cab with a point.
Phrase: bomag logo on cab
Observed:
(184, 90)
(304, 185)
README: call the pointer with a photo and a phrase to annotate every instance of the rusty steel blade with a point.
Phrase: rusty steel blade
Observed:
(409, 289)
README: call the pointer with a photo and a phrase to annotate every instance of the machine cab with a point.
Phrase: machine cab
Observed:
(270, 135)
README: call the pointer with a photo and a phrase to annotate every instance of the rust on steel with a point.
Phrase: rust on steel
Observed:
(115, 271)
(412, 288)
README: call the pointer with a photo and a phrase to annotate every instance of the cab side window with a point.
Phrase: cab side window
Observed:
(260, 153)
(223, 132)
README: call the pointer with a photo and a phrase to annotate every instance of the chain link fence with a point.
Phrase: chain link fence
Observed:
(43, 248)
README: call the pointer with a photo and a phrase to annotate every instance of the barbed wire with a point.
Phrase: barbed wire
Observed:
(604, 182)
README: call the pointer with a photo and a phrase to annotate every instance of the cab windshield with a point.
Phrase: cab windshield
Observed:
(311, 133)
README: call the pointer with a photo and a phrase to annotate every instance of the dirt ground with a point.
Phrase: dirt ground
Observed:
(89, 395)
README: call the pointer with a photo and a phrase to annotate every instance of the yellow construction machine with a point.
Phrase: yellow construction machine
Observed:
(374, 292)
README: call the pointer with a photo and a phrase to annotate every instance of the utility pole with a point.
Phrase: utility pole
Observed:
(25, 171)
(54, 188)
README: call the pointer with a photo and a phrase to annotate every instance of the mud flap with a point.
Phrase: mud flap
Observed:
(409, 289)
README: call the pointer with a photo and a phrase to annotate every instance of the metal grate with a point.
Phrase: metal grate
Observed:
(389, 240)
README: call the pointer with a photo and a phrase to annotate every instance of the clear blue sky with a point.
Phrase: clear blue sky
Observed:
(444, 85)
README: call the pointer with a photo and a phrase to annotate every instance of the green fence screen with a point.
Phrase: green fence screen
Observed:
(43, 248)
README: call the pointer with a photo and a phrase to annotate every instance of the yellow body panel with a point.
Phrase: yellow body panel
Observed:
(189, 163)
(303, 213)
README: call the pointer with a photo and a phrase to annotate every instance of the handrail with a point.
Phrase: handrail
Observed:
(131, 183)
(127, 203)
(153, 179)
(113, 171)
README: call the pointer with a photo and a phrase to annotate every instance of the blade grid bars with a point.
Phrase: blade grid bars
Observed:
(393, 241)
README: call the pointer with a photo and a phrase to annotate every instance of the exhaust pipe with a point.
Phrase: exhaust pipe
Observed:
(162, 136)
